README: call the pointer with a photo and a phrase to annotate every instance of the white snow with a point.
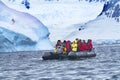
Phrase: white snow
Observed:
(59, 16)
(100, 30)
(62, 18)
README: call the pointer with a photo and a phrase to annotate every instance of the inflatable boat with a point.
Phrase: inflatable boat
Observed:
(69, 56)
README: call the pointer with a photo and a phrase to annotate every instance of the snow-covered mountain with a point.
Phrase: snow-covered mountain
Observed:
(65, 19)
(26, 3)
(22, 31)
(105, 28)
(60, 16)
(112, 9)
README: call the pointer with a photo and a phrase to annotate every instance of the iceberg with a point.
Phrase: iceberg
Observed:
(21, 23)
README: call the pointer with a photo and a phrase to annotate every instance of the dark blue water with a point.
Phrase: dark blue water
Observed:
(30, 66)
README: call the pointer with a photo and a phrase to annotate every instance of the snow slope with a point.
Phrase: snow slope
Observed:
(104, 29)
(60, 16)
(25, 24)
(101, 29)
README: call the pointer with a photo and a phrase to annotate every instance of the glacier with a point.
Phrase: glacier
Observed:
(11, 41)
(29, 29)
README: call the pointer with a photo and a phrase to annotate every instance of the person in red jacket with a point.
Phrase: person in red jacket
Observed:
(82, 46)
(68, 46)
(89, 45)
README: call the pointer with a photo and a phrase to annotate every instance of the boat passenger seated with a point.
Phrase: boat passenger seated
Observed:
(68, 46)
(74, 46)
(82, 45)
(89, 45)
(58, 47)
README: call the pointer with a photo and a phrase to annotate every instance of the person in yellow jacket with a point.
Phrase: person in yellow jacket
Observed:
(74, 46)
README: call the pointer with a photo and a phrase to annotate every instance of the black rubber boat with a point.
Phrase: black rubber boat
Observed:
(69, 56)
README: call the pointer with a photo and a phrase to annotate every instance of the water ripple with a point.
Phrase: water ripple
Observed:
(105, 66)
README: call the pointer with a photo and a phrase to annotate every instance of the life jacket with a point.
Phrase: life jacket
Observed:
(74, 46)
(68, 46)
(64, 50)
